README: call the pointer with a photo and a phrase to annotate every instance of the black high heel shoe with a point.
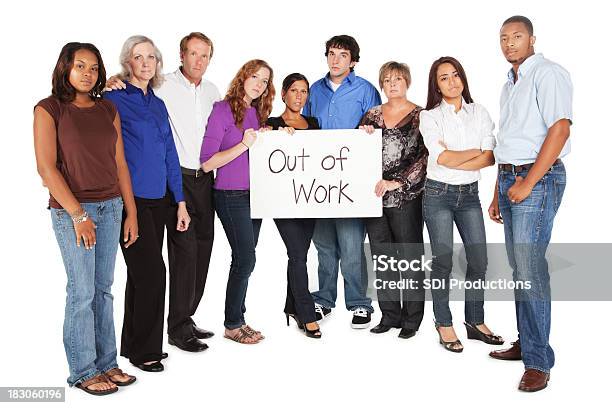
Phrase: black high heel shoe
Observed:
(475, 334)
(315, 334)
(454, 346)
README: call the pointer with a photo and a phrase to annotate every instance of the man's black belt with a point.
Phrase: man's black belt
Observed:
(194, 173)
(522, 167)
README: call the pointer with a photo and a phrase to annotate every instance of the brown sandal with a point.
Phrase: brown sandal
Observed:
(252, 332)
(100, 378)
(240, 337)
(117, 371)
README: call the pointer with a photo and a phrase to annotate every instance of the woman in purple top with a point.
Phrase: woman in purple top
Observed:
(231, 131)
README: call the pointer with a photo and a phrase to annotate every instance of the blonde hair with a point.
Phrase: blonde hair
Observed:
(126, 55)
(397, 67)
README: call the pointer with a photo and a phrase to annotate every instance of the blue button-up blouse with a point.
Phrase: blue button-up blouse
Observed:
(149, 147)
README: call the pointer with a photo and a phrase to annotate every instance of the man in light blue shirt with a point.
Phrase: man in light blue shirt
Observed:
(540, 96)
(339, 101)
(535, 119)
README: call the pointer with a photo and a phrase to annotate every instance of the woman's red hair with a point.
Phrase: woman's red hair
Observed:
(235, 93)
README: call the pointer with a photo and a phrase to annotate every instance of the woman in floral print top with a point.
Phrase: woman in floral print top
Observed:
(404, 164)
(404, 155)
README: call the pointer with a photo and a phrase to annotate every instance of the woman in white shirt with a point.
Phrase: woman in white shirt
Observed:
(459, 136)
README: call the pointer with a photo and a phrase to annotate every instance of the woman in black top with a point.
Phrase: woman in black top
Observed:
(295, 232)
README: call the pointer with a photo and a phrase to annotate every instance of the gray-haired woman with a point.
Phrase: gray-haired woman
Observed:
(156, 180)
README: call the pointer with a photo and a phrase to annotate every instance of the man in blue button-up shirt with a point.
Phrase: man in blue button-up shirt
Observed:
(338, 101)
(534, 127)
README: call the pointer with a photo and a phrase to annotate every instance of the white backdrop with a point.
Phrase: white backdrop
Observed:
(346, 367)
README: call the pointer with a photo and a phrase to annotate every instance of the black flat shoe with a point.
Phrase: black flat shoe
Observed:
(164, 355)
(191, 344)
(450, 345)
(380, 328)
(406, 333)
(474, 334)
(201, 333)
(155, 367)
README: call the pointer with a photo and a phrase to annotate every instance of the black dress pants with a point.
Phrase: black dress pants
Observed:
(143, 320)
(401, 225)
(189, 254)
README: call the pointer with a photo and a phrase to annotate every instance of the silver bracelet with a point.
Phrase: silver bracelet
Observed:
(82, 217)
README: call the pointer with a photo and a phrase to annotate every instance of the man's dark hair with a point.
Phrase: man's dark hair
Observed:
(345, 42)
(520, 19)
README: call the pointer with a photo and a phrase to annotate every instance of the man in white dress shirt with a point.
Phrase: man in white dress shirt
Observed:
(189, 99)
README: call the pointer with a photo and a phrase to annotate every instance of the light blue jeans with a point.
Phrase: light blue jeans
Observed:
(528, 227)
(89, 331)
(341, 240)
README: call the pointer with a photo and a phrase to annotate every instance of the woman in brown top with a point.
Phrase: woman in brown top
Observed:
(79, 155)
(399, 232)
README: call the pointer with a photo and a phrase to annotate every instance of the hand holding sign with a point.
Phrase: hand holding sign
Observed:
(249, 137)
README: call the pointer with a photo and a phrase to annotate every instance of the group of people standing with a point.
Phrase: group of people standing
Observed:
(136, 160)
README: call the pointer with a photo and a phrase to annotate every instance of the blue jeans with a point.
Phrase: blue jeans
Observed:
(444, 204)
(528, 227)
(89, 330)
(341, 240)
(234, 210)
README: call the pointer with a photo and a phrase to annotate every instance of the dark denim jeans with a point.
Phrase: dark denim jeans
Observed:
(297, 235)
(443, 205)
(89, 330)
(528, 227)
(234, 210)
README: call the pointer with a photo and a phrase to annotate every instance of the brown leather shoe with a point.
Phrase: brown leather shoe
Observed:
(512, 353)
(533, 380)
